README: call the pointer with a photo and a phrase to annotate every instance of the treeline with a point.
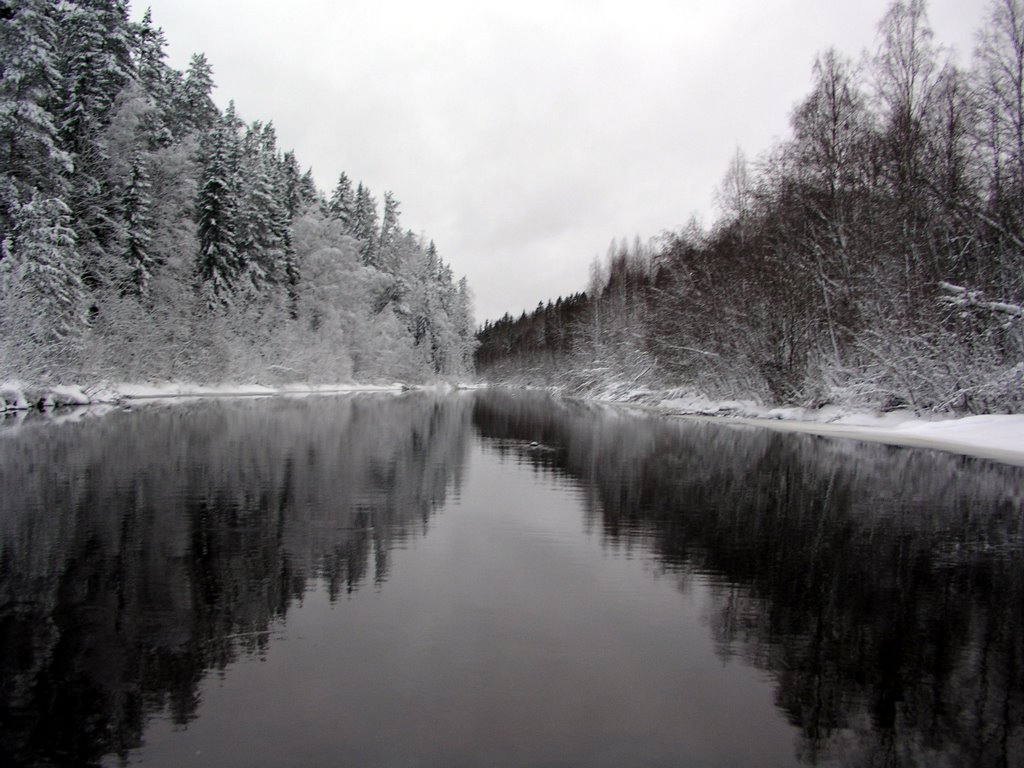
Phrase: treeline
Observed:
(148, 234)
(875, 257)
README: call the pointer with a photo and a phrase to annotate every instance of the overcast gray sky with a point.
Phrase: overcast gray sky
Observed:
(523, 136)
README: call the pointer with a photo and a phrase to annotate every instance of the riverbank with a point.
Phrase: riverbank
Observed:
(999, 437)
(15, 396)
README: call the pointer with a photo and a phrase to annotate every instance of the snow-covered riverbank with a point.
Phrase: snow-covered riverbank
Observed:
(992, 436)
(15, 396)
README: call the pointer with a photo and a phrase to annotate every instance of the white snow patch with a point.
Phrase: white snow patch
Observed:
(996, 436)
(1003, 432)
(184, 389)
(12, 397)
(64, 395)
(999, 437)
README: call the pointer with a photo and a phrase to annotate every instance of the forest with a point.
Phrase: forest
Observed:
(149, 235)
(873, 258)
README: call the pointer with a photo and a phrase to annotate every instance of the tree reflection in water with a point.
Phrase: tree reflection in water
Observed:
(882, 588)
(142, 550)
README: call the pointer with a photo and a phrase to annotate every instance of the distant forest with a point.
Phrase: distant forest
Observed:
(874, 258)
(146, 234)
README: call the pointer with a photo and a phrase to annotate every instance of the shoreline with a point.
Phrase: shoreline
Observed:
(16, 397)
(893, 437)
(996, 437)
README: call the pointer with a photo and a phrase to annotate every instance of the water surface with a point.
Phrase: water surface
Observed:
(380, 580)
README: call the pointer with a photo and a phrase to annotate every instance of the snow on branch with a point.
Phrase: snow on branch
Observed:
(962, 297)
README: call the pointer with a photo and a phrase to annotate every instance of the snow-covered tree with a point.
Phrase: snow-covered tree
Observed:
(219, 264)
(262, 222)
(138, 228)
(364, 225)
(194, 109)
(390, 232)
(342, 203)
(155, 77)
(41, 273)
(31, 158)
(123, 189)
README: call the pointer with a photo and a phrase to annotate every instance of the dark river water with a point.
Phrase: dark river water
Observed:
(381, 580)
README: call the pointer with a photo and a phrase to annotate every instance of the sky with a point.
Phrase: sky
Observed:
(522, 136)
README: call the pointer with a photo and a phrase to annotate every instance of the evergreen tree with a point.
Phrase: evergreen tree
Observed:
(194, 108)
(31, 158)
(138, 228)
(433, 260)
(40, 271)
(263, 218)
(155, 77)
(387, 257)
(342, 202)
(364, 225)
(219, 264)
(95, 63)
(94, 60)
(291, 179)
(309, 194)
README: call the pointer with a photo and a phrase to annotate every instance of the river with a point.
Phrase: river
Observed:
(501, 579)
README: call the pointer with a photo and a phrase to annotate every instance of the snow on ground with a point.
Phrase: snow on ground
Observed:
(14, 396)
(996, 436)
(179, 389)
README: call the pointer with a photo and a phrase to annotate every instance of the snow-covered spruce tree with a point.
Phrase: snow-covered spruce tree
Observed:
(387, 242)
(41, 294)
(94, 61)
(219, 264)
(138, 227)
(423, 301)
(31, 158)
(342, 203)
(194, 110)
(262, 223)
(287, 271)
(300, 190)
(291, 180)
(155, 77)
(309, 193)
(364, 225)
